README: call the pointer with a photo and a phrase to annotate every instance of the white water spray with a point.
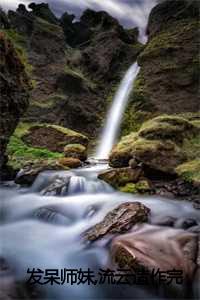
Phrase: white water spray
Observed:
(114, 117)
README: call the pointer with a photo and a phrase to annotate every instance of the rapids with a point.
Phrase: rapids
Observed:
(45, 232)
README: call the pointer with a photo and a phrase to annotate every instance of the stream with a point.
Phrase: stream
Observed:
(45, 231)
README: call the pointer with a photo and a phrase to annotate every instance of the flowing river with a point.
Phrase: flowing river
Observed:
(42, 230)
(45, 231)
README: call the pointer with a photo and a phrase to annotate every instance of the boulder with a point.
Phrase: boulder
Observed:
(153, 247)
(52, 137)
(69, 162)
(28, 174)
(168, 127)
(119, 220)
(161, 144)
(119, 177)
(76, 151)
(32, 143)
(58, 187)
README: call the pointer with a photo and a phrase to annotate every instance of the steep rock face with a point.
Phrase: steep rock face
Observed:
(108, 47)
(168, 80)
(14, 86)
(42, 10)
(44, 44)
(76, 65)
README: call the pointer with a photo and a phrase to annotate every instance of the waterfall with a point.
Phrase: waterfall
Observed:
(114, 117)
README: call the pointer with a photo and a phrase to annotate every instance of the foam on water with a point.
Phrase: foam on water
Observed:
(46, 231)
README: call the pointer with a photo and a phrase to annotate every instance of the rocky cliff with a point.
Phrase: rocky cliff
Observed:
(76, 66)
(168, 81)
(14, 87)
(166, 96)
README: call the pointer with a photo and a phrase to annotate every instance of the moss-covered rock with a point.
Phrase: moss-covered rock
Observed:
(52, 137)
(69, 162)
(165, 127)
(141, 187)
(190, 171)
(34, 142)
(120, 177)
(76, 151)
(162, 144)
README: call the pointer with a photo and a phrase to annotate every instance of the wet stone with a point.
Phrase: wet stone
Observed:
(119, 220)
(154, 247)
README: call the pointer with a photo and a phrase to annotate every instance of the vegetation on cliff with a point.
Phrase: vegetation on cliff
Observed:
(15, 87)
(169, 73)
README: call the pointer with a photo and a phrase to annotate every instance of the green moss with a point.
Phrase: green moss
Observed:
(129, 188)
(190, 171)
(48, 27)
(141, 186)
(75, 147)
(23, 129)
(126, 143)
(166, 127)
(133, 119)
(20, 154)
(167, 40)
(64, 130)
(138, 109)
(49, 102)
(139, 96)
(20, 44)
(191, 147)
(16, 37)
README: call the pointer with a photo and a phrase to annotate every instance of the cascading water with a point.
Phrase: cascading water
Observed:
(45, 231)
(114, 117)
(42, 229)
